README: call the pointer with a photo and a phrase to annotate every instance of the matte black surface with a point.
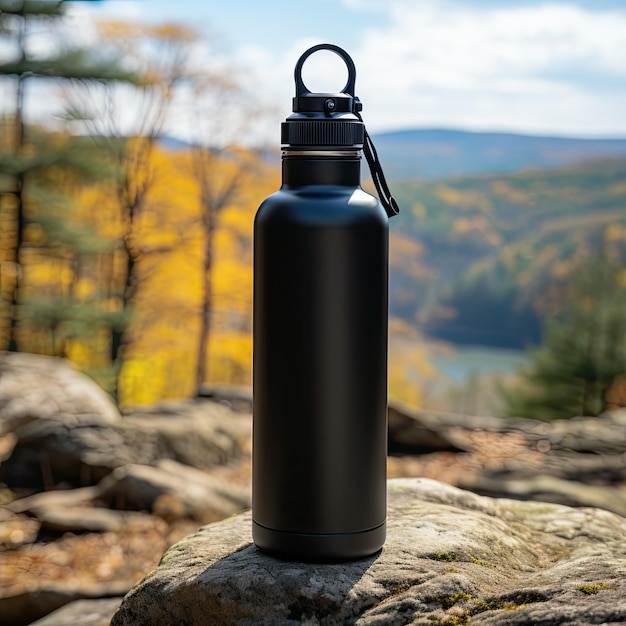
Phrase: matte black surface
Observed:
(324, 119)
(319, 548)
(320, 365)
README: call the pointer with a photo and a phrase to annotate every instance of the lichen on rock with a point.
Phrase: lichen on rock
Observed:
(451, 557)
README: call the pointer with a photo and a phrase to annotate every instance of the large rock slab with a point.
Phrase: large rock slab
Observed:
(201, 434)
(551, 489)
(34, 387)
(235, 397)
(413, 432)
(16, 530)
(24, 608)
(451, 556)
(173, 491)
(602, 435)
(576, 462)
(82, 613)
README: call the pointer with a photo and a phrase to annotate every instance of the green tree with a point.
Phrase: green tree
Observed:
(40, 172)
(584, 349)
(57, 234)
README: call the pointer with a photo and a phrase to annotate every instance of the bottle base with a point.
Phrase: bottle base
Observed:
(319, 548)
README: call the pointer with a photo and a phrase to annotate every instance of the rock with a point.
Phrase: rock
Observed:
(603, 469)
(235, 397)
(34, 387)
(16, 530)
(62, 498)
(82, 613)
(198, 432)
(41, 577)
(551, 489)
(583, 459)
(617, 416)
(411, 432)
(28, 606)
(598, 435)
(201, 434)
(49, 453)
(450, 556)
(89, 519)
(7, 443)
(173, 491)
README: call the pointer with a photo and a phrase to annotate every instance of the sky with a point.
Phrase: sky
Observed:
(529, 66)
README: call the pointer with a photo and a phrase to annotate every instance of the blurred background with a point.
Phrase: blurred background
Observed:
(137, 139)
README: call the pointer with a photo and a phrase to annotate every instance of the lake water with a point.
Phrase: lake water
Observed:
(460, 363)
(469, 379)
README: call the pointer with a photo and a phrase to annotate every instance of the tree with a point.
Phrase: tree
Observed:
(118, 219)
(223, 170)
(59, 236)
(220, 180)
(36, 164)
(173, 80)
(160, 56)
(584, 350)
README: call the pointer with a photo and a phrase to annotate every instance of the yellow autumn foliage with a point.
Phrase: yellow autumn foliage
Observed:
(505, 190)
(168, 243)
(162, 359)
(419, 210)
(464, 199)
(615, 232)
(410, 370)
(230, 357)
(407, 256)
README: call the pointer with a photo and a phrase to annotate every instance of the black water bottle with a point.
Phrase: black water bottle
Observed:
(320, 337)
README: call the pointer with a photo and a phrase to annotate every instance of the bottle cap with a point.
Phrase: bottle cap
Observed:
(322, 121)
(332, 121)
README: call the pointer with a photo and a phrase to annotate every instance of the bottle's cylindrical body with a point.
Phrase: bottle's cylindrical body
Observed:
(320, 364)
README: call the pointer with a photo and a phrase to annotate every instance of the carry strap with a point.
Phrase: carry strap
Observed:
(371, 156)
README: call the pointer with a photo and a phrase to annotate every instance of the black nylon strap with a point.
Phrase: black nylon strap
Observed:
(371, 156)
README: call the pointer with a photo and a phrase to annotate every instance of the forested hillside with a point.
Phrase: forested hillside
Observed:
(483, 259)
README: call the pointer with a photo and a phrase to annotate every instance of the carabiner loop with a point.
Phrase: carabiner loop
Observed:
(302, 89)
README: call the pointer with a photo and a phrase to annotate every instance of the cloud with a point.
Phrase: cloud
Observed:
(544, 68)
(520, 65)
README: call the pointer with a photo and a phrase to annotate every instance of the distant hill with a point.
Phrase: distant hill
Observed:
(480, 259)
(433, 153)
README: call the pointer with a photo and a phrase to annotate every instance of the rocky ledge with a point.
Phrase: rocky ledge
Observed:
(451, 557)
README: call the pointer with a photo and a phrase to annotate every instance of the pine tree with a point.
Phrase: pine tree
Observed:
(584, 350)
(40, 172)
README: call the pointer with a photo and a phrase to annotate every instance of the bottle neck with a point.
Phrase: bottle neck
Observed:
(310, 168)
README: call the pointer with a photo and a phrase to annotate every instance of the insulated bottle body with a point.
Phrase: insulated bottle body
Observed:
(319, 448)
(320, 364)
